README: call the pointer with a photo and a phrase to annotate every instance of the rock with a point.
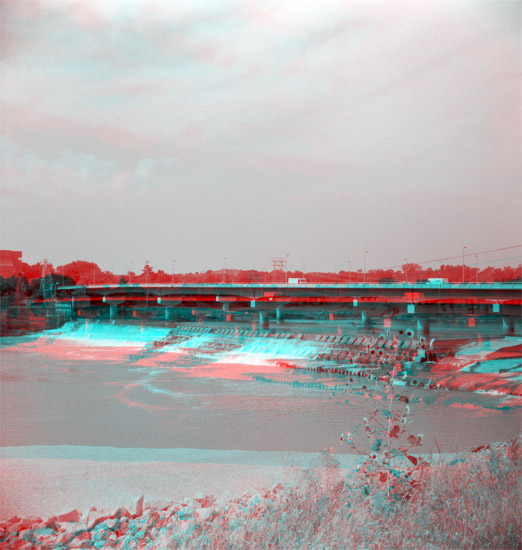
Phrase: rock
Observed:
(51, 524)
(44, 532)
(204, 513)
(139, 506)
(121, 513)
(14, 519)
(172, 510)
(73, 516)
(28, 523)
(185, 513)
(205, 501)
(97, 522)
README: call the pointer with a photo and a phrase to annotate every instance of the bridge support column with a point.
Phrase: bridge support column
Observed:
(169, 313)
(263, 319)
(508, 325)
(279, 315)
(366, 319)
(423, 325)
(226, 309)
(113, 311)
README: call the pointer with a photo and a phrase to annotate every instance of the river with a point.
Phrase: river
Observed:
(87, 386)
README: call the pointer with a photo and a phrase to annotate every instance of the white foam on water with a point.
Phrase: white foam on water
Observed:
(109, 334)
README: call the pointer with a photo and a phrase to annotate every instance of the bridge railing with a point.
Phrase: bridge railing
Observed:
(399, 285)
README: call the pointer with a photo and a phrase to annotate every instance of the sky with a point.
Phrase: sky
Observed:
(137, 130)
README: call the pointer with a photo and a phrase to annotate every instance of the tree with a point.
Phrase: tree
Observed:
(82, 272)
(147, 275)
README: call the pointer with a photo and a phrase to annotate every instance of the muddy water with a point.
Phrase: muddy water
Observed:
(65, 391)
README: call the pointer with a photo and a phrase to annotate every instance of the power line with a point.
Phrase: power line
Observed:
(458, 257)
(496, 260)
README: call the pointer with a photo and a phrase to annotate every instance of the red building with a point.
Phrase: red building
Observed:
(10, 263)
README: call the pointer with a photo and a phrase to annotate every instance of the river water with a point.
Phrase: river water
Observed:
(90, 387)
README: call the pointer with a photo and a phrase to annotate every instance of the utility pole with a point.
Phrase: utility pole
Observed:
(463, 248)
(147, 283)
(146, 269)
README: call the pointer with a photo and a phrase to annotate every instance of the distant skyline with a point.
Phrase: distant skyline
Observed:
(152, 130)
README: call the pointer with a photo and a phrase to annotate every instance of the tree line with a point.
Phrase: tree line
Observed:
(81, 272)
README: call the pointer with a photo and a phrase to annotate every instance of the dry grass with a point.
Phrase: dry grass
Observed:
(473, 504)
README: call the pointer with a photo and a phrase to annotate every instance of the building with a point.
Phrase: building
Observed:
(10, 263)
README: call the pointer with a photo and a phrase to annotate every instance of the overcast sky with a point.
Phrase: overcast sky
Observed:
(153, 130)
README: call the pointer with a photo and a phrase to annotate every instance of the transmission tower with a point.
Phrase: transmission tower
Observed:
(278, 264)
(47, 286)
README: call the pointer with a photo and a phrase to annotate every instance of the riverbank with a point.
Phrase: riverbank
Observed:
(52, 480)
(428, 506)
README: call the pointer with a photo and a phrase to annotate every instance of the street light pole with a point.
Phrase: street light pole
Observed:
(463, 248)
(364, 274)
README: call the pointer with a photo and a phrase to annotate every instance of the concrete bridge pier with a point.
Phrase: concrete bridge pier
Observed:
(228, 314)
(264, 322)
(113, 311)
(366, 319)
(169, 313)
(279, 315)
(423, 326)
(508, 325)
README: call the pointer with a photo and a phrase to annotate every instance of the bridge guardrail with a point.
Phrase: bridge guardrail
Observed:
(442, 286)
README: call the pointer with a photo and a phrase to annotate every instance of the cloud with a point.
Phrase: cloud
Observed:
(223, 111)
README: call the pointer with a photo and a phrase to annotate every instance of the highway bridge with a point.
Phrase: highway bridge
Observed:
(374, 304)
